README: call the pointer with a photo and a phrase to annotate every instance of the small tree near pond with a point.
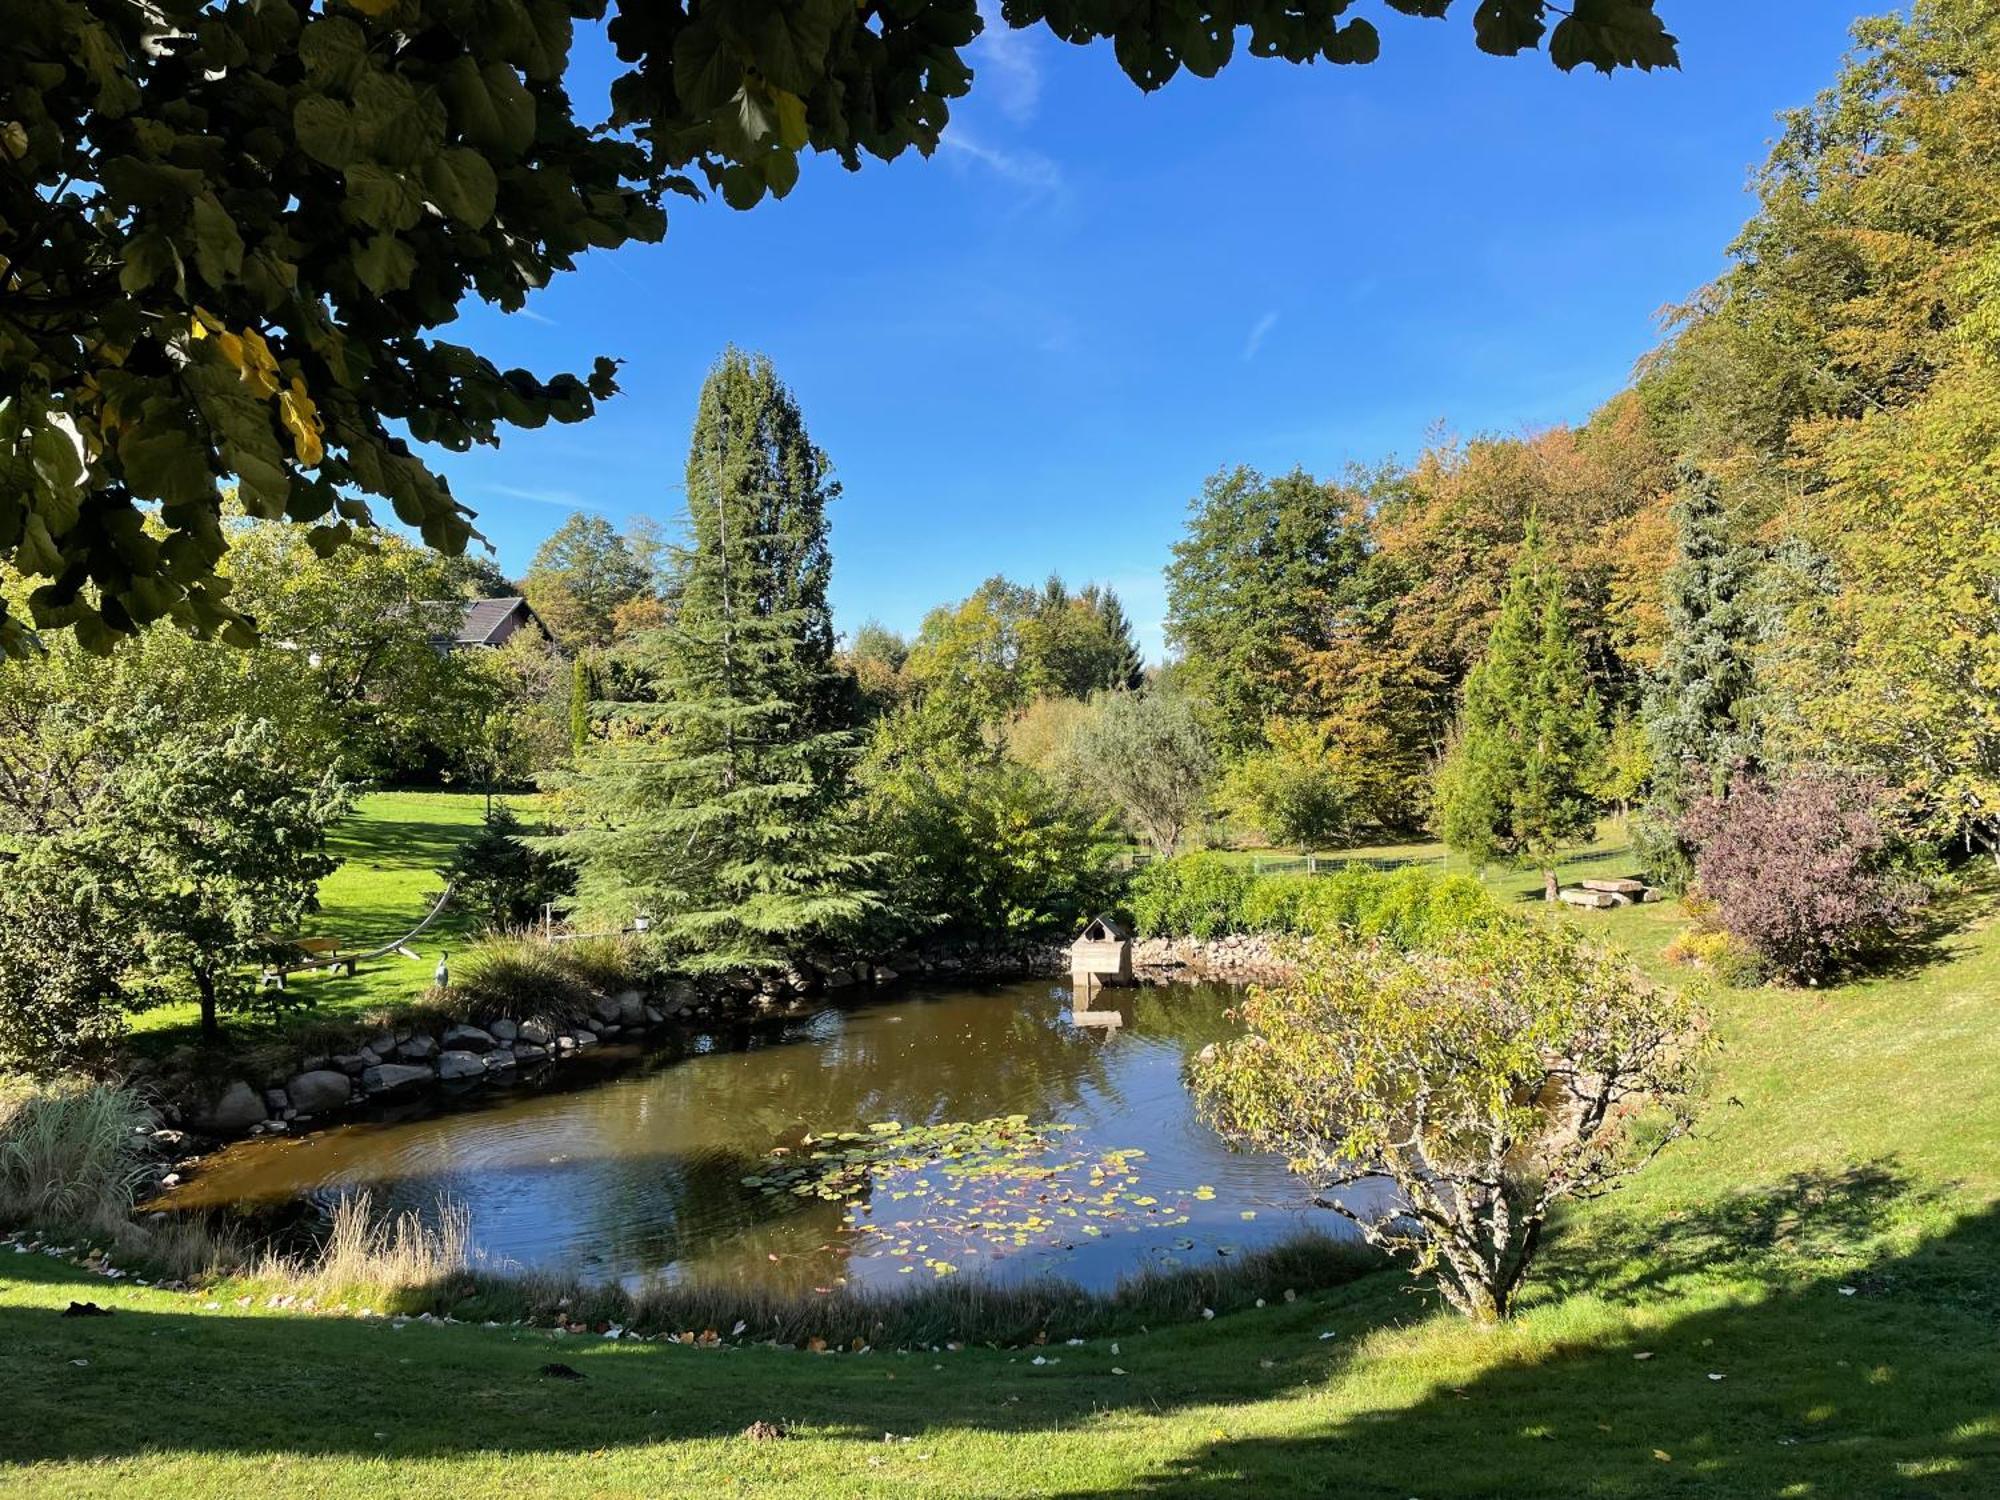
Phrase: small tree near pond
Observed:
(216, 855)
(1490, 1082)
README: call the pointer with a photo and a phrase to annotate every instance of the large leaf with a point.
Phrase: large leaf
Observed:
(326, 130)
(218, 248)
(382, 198)
(385, 264)
(462, 184)
(1613, 34)
(162, 461)
(1508, 27)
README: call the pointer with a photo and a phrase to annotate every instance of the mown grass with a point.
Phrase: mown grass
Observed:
(1799, 1302)
(391, 849)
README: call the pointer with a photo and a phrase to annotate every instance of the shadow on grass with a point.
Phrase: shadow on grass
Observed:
(400, 843)
(1875, 1379)
(1871, 1379)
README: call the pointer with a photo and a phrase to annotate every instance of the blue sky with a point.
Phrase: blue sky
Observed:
(1026, 353)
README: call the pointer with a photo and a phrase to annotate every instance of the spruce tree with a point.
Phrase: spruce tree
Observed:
(1127, 669)
(1694, 710)
(1518, 782)
(719, 806)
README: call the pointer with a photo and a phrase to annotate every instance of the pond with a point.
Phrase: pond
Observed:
(991, 1129)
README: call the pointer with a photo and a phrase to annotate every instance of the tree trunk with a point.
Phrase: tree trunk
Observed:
(211, 1028)
(1551, 887)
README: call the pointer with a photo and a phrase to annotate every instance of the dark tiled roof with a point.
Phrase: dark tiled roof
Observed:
(485, 616)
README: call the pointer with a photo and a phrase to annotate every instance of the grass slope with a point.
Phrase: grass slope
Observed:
(1826, 1248)
(391, 849)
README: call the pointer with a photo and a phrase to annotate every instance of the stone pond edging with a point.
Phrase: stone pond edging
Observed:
(404, 1061)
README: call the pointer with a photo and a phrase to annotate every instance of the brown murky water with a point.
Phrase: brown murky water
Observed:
(631, 1165)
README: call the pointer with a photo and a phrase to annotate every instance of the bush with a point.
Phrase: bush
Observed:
(70, 1154)
(1278, 903)
(1722, 954)
(1802, 869)
(498, 877)
(1488, 1082)
(1205, 896)
(62, 951)
(1419, 908)
(976, 844)
(1193, 895)
(1297, 791)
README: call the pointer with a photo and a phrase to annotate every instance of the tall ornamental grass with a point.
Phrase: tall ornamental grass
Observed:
(70, 1154)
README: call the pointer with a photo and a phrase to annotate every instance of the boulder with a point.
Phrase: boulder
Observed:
(883, 974)
(605, 1010)
(500, 1057)
(631, 1008)
(454, 1064)
(467, 1039)
(533, 1031)
(528, 1052)
(386, 1078)
(317, 1091)
(349, 1062)
(275, 1101)
(654, 1018)
(419, 1048)
(502, 1030)
(1599, 900)
(381, 1045)
(839, 979)
(237, 1107)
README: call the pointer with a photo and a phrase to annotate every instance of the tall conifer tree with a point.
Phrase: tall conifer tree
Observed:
(719, 806)
(1695, 709)
(1518, 782)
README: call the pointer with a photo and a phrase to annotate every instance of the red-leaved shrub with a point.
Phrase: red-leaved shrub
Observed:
(1800, 868)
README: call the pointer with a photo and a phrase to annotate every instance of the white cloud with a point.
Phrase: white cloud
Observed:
(1026, 169)
(1008, 67)
(1258, 332)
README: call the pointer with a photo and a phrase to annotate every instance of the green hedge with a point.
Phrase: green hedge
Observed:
(1208, 896)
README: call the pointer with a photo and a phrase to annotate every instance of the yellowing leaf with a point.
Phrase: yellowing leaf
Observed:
(301, 419)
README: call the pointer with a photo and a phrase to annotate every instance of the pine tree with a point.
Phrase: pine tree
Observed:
(1127, 669)
(1518, 781)
(1694, 708)
(719, 807)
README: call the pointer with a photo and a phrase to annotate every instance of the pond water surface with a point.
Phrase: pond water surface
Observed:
(705, 1160)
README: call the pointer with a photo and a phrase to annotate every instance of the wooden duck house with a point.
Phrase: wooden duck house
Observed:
(1102, 953)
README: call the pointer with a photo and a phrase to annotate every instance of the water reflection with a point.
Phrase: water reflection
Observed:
(628, 1166)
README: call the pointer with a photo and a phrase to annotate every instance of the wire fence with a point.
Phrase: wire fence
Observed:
(1308, 864)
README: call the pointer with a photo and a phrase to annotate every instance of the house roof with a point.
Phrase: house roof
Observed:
(484, 617)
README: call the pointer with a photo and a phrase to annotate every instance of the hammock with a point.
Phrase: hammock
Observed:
(347, 961)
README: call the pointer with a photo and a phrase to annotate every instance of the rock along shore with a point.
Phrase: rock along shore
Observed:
(404, 1061)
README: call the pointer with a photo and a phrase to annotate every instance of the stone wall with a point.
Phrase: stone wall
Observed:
(1239, 958)
(406, 1060)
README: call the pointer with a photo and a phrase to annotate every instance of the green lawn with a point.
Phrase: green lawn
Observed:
(391, 849)
(1826, 1247)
